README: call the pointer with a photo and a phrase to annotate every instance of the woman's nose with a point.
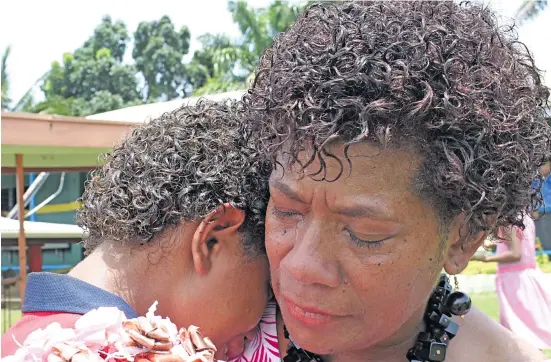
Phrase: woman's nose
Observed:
(312, 259)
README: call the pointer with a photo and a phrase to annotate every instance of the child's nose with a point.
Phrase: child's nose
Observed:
(250, 334)
(237, 345)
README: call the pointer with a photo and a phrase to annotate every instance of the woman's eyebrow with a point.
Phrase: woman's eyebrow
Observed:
(362, 206)
(356, 211)
(286, 190)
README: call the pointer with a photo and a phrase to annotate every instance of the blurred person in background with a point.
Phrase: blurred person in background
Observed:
(523, 290)
(542, 216)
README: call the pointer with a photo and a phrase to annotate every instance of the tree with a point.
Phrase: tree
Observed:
(229, 64)
(260, 26)
(107, 35)
(25, 103)
(212, 69)
(5, 79)
(529, 9)
(93, 78)
(159, 51)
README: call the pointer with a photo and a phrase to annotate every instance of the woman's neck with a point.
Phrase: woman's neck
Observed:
(394, 353)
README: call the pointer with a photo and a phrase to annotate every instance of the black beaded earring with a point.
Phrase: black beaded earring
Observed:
(432, 344)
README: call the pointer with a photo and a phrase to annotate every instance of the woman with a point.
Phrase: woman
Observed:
(401, 133)
(524, 292)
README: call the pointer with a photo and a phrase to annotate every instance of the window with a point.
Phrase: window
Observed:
(9, 199)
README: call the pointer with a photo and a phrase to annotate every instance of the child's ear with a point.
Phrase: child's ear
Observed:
(214, 230)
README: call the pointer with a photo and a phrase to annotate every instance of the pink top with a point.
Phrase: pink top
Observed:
(527, 245)
(264, 347)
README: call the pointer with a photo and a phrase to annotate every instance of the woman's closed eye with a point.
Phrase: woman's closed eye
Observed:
(284, 213)
(372, 243)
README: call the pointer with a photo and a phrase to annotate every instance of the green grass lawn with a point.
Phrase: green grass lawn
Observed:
(478, 267)
(9, 315)
(487, 302)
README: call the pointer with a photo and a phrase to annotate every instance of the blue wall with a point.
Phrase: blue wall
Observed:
(72, 190)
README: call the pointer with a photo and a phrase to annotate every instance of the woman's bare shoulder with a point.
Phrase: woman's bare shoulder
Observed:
(482, 339)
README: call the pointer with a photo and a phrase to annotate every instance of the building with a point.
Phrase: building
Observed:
(57, 244)
(65, 149)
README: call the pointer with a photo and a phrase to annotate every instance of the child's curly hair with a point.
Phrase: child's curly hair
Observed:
(180, 166)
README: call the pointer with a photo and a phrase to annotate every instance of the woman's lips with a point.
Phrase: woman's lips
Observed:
(309, 316)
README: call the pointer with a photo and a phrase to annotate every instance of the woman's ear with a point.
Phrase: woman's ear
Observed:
(213, 233)
(461, 246)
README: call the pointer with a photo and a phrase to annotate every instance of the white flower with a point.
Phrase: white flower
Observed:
(100, 327)
(96, 330)
(46, 338)
(39, 343)
(165, 322)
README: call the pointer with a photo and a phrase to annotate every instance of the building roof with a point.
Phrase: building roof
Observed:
(60, 143)
(142, 113)
(39, 230)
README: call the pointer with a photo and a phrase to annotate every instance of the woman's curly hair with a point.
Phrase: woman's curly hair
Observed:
(180, 166)
(446, 78)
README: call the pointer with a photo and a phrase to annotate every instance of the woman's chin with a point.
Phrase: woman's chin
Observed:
(321, 346)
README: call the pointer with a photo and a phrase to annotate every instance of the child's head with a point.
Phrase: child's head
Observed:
(177, 212)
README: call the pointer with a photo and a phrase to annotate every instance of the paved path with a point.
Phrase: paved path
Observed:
(480, 283)
(476, 283)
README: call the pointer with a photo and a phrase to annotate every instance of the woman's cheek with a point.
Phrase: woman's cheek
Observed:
(280, 239)
(274, 240)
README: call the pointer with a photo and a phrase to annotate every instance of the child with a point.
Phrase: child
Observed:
(176, 214)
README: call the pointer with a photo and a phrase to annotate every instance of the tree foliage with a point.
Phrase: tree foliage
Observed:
(100, 76)
(529, 9)
(5, 79)
(93, 78)
(26, 102)
(213, 67)
(159, 53)
(236, 60)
